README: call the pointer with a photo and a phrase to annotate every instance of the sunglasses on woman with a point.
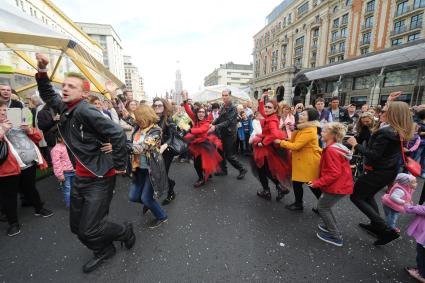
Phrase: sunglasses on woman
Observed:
(158, 105)
(268, 107)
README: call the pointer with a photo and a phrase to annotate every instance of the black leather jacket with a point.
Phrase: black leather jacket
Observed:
(383, 151)
(168, 129)
(84, 129)
(225, 124)
(157, 170)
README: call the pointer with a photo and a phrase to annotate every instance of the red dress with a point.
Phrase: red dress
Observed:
(278, 159)
(203, 144)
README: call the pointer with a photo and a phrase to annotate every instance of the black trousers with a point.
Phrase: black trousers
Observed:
(168, 159)
(9, 188)
(228, 153)
(365, 188)
(264, 174)
(299, 192)
(420, 259)
(198, 167)
(90, 200)
(422, 198)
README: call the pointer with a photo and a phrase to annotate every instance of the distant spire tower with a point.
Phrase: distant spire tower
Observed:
(178, 85)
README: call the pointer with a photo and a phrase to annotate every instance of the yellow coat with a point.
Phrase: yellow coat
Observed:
(306, 152)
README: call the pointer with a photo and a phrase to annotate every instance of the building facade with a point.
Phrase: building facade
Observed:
(236, 75)
(132, 79)
(108, 39)
(50, 15)
(336, 37)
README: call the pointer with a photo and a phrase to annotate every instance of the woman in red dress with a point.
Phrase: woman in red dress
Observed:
(202, 145)
(271, 162)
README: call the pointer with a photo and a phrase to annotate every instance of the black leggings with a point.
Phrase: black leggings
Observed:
(299, 192)
(198, 167)
(168, 159)
(264, 174)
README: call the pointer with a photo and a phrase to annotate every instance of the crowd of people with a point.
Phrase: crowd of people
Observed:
(88, 140)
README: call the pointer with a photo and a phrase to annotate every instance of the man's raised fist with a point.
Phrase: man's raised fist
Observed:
(42, 60)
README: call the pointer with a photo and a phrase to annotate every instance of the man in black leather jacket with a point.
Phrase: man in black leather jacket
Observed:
(84, 130)
(225, 126)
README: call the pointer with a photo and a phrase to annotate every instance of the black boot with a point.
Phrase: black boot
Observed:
(386, 236)
(242, 174)
(295, 207)
(370, 229)
(170, 197)
(98, 259)
(281, 192)
(128, 238)
(265, 195)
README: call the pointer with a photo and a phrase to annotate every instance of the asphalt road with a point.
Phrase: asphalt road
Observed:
(220, 233)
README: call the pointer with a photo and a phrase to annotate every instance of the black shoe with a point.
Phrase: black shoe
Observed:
(199, 183)
(145, 209)
(156, 223)
(370, 229)
(128, 238)
(97, 260)
(265, 195)
(3, 217)
(44, 213)
(13, 230)
(242, 174)
(281, 192)
(169, 198)
(295, 207)
(386, 236)
(220, 174)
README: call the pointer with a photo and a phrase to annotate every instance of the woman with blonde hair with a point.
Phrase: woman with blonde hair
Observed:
(150, 176)
(287, 119)
(381, 164)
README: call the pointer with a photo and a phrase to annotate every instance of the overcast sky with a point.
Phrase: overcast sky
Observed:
(200, 34)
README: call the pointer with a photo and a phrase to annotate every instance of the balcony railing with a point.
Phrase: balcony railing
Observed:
(344, 23)
(334, 25)
(365, 41)
(314, 46)
(366, 27)
(416, 25)
(406, 10)
(336, 51)
(299, 53)
(399, 30)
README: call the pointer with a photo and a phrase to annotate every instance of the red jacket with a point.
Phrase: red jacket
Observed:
(270, 127)
(10, 166)
(199, 131)
(335, 172)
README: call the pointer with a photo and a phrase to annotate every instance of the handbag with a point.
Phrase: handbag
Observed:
(411, 165)
(3, 151)
(178, 145)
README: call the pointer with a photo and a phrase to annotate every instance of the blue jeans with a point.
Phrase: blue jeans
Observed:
(391, 216)
(67, 185)
(142, 191)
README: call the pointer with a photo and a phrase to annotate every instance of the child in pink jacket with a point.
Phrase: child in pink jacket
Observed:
(398, 196)
(62, 167)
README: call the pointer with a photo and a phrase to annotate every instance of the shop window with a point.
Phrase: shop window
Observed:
(401, 77)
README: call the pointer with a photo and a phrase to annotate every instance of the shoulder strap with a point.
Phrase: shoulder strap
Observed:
(402, 151)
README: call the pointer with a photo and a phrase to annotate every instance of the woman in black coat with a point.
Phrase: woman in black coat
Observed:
(164, 111)
(382, 157)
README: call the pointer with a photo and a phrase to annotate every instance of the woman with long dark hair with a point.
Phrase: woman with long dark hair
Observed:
(164, 111)
(202, 146)
(381, 164)
(271, 162)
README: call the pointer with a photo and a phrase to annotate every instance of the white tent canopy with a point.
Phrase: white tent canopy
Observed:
(17, 30)
(213, 93)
